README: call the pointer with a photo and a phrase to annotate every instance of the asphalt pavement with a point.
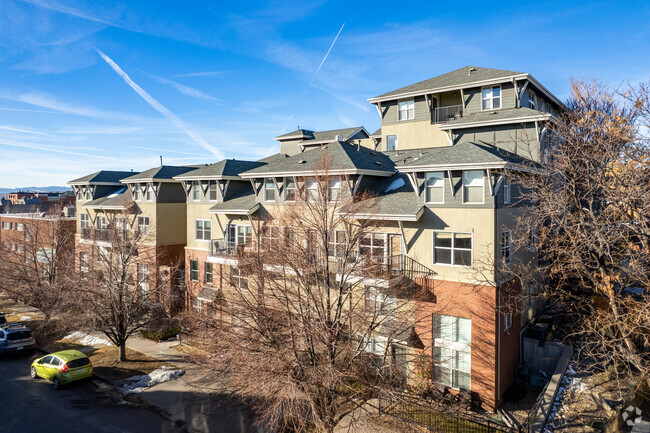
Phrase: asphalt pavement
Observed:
(32, 405)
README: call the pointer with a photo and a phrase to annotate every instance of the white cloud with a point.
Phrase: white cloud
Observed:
(186, 90)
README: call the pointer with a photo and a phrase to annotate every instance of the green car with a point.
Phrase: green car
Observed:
(62, 367)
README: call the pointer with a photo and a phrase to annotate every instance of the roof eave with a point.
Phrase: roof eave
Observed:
(387, 217)
(318, 173)
(532, 118)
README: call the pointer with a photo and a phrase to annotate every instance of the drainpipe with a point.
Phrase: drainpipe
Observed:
(498, 312)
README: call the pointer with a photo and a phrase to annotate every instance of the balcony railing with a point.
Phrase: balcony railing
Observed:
(450, 112)
(389, 267)
(91, 233)
(226, 248)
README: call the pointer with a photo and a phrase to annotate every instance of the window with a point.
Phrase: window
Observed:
(19, 227)
(312, 189)
(83, 263)
(136, 192)
(435, 187)
(194, 270)
(336, 243)
(373, 246)
(121, 223)
(28, 232)
(5, 225)
(11, 226)
(143, 225)
(239, 278)
(143, 278)
(532, 100)
(377, 302)
(452, 351)
(269, 190)
(505, 246)
(197, 305)
(507, 321)
(149, 193)
(240, 235)
(407, 110)
(391, 142)
(209, 275)
(506, 191)
(491, 97)
(213, 190)
(453, 249)
(290, 189)
(203, 230)
(270, 237)
(102, 223)
(473, 185)
(334, 189)
(375, 345)
(196, 190)
(84, 219)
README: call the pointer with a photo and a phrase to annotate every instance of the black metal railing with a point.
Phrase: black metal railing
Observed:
(388, 267)
(437, 418)
(91, 233)
(450, 112)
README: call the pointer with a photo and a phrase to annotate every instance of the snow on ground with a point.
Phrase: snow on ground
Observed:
(87, 339)
(570, 383)
(137, 384)
(21, 318)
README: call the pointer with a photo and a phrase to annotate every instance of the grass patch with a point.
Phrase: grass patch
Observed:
(106, 365)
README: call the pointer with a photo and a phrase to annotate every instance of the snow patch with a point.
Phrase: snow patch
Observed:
(396, 184)
(137, 384)
(24, 318)
(87, 339)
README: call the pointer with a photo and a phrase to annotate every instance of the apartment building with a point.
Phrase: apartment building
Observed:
(437, 184)
(148, 206)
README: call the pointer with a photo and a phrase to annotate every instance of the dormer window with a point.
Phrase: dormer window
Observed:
(196, 191)
(491, 97)
(149, 193)
(136, 192)
(407, 110)
(213, 190)
(269, 189)
(334, 189)
(290, 189)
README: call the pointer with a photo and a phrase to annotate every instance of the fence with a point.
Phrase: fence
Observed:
(417, 410)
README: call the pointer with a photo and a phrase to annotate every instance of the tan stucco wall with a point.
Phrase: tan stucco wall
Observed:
(414, 135)
(171, 220)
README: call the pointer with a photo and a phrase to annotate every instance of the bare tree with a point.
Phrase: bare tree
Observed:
(315, 318)
(37, 262)
(590, 224)
(120, 290)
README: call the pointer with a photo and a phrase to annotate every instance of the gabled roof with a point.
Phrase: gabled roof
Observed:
(330, 136)
(496, 117)
(164, 172)
(243, 203)
(297, 134)
(341, 158)
(225, 169)
(119, 200)
(391, 199)
(459, 156)
(105, 177)
(273, 157)
(458, 78)
(377, 133)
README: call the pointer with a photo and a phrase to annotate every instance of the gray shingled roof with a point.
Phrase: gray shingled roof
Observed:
(320, 136)
(244, 200)
(493, 116)
(273, 157)
(226, 167)
(297, 133)
(459, 77)
(377, 132)
(162, 172)
(463, 153)
(400, 201)
(122, 200)
(103, 176)
(339, 156)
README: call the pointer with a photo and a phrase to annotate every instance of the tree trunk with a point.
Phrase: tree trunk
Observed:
(122, 351)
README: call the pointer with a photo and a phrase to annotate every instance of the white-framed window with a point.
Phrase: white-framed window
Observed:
(377, 302)
(270, 237)
(83, 262)
(136, 192)
(406, 110)
(453, 249)
(203, 230)
(102, 222)
(84, 220)
(491, 98)
(197, 305)
(337, 243)
(19, 227)
(89, 195)
(196, 190)
(473, 186)
(240, 234)
(311, 185)
(143, 278)
(374, 344)
(121, 223)
(435, 187)
(194, 270)
(289, 189)
(506, 191)
(391, 142)
(507, 321)
(532, 99)
(143, 224)
(149, 195)
(5, 225)
(373, 246)
(213, 190)
(269, 189)
(334, 188)
(209, 273)
(239, 278)
(506, 246)
(452, 353)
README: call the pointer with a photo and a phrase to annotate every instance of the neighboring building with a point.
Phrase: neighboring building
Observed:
(15, 197)
(437, 171)
(149, 206)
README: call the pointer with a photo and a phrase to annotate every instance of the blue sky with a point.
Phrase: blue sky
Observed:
(88, 85)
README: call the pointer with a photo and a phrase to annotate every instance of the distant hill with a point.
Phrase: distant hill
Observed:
(35, 189)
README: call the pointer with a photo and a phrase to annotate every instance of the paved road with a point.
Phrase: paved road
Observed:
(32, 405)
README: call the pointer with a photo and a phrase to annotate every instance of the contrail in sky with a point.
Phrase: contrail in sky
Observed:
(326, 54)
(161, 109)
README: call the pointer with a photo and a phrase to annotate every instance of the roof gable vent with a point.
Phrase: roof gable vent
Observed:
(302, 161)
(471, 70)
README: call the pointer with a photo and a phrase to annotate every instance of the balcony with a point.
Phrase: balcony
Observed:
(228, 252)
(450, 112)
(387, 271)
(93, 234)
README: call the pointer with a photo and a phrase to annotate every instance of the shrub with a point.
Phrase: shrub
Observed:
(161, 334)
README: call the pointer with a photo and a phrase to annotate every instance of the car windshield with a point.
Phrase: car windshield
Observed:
(2, 319)
(76, 363)
(19, 335)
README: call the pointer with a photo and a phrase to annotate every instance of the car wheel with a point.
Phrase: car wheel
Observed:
(56, 383)
(32, 373)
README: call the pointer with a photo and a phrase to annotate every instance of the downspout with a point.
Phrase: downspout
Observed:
(498, 313)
